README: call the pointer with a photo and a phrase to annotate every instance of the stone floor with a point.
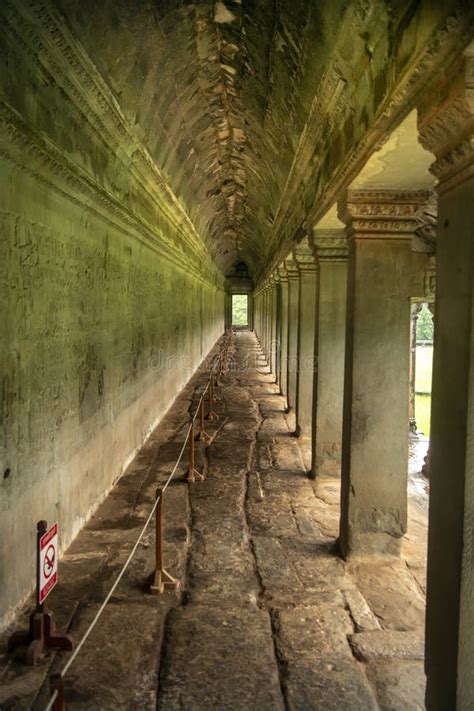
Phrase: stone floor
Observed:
(267, 617)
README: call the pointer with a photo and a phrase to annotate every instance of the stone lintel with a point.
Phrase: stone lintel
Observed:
(446, 123)
(304, 257)
(329, 245)
(382, 214)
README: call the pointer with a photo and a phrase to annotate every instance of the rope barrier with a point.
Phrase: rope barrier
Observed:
(56, 701)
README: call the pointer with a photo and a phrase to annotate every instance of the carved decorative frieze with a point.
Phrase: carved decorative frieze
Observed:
(282, 274)
(36, 29)
(416, 82)
(291, 267)
(329, 245)
(446, 123)
(429, 278)
(304, 257)
(371, 213)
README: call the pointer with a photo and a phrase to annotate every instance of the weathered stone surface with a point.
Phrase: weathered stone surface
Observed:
(219, 659)
(331, 684)
(267, 611)
(363, 617)
(385, 586)
(319, 631)
(386, 644)
(399, 685)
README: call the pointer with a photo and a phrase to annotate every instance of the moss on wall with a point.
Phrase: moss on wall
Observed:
(109, 300)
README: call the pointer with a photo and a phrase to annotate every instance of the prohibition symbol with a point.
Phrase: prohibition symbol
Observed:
(48, 563)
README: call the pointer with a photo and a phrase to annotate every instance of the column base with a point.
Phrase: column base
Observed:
(370, 544)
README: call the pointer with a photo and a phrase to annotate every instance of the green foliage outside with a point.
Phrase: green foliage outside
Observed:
(424, 325)
(239, 310)
(424, 363)
(423, 413)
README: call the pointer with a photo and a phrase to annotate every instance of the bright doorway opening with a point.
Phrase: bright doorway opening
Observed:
(240, 310)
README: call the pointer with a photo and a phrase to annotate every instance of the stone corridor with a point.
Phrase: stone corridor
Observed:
(268, 616)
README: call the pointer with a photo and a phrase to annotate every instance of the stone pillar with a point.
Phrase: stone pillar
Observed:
(278, 315)
(250, 312)
(256, 306)
(263, 335)
(379, 225)
(415, 310)
(330, 250)
(446, 127)
(303, 256)
(293, 308)
(283, 330)
(274, 328)
(228, 310)
(425, 469)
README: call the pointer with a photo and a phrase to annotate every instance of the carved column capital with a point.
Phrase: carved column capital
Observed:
(282, 274)
(381, 214)
(304, 257)
(329, 245)
(446, 123)
(291, 267)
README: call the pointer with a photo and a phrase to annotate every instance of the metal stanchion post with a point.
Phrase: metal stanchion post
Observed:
(203, 436)
(41, 634)
(56, 685)
(211, 415)
(162, 578)
(193, 473)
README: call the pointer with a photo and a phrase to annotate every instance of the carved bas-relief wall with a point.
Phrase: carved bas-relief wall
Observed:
(109, 299)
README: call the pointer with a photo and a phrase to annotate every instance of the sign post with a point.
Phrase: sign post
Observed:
(41, 634)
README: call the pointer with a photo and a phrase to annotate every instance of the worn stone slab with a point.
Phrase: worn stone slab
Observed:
(275, 568)
(387, 644)
(315, 631)
(318, 568)
(219, 659)
(363, 617)
(332, 684)
(398, 684)
(391, 593)
(287, 456)
(123, 675)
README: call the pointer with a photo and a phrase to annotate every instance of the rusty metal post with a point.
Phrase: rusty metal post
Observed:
(193, 473)
(56, 684)
(211, 415)
(162, 578)
(203, 436)
(41, 634)
(217, 397)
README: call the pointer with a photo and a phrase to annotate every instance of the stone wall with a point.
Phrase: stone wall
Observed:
(109, 299)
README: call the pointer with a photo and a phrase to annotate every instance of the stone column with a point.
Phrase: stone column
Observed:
(278, 316)
(303, 256)
(256, 306)
(293, 307)
(274, 328)
(263, 336)
(283, 330)
(250, 311)
(425, 469)
(446, 127)
(330, 250)
(379, 225)
(415, 310)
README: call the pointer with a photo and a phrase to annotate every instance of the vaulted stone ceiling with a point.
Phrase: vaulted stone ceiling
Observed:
(220, 93)
(249, 107)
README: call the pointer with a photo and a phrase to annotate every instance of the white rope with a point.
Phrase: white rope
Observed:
(132, 552)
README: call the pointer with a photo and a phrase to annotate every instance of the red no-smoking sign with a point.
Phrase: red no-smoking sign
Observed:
(48, 562)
